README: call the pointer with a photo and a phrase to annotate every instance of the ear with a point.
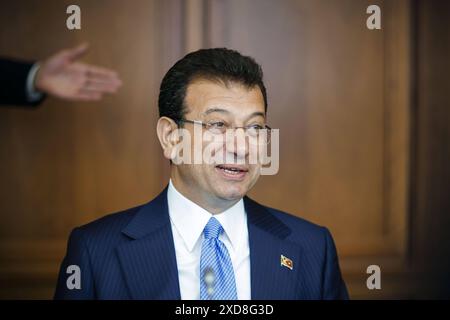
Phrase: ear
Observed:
(168, 136)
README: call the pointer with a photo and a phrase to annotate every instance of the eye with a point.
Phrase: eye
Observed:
(217, 125)
(255, 127)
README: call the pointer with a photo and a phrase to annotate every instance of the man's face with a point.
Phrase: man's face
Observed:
(236, 106)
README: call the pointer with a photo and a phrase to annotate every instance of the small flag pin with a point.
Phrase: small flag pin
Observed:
(285, 261)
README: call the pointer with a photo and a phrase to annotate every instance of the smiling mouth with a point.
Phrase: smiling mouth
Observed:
(230, 169)
(232, 172)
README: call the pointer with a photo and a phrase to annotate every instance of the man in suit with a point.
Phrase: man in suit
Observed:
(202, 237)
(61, 75)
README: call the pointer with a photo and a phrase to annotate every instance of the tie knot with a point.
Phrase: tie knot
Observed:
(213, 229)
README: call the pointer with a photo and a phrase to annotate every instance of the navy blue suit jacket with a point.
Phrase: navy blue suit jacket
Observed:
(13, 78)
(131, 255)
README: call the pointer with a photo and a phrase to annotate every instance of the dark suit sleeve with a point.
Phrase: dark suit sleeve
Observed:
(13, 78)
(77, 258)
(333, 285)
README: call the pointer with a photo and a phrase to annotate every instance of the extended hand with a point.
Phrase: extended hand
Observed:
(61, 76)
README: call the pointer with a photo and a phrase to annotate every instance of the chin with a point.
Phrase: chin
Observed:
(232, 192)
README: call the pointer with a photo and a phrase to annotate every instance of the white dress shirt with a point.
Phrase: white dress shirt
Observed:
(32, 94)
(188, 221)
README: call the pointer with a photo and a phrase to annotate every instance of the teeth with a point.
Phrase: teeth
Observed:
(230, 171)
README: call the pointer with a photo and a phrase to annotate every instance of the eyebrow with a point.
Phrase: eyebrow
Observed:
(254, 114)
(211, 110)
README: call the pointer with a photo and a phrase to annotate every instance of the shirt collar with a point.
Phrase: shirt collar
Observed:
(190, 219)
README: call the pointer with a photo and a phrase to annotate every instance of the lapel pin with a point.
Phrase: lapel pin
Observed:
(285, 261)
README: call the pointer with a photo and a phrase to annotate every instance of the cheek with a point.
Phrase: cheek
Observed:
(255, 172)
(216, 154)
(194, 172)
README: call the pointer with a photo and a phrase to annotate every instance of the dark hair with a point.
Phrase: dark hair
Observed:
(218, 64)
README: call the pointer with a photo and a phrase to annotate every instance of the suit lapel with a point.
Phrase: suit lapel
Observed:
(148, 261)
(267, 238)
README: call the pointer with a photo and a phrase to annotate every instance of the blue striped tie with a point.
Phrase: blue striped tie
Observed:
(216, 271)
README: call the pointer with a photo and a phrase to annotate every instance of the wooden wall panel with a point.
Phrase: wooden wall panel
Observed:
(340, 95)
(66, 164)
(431, 183)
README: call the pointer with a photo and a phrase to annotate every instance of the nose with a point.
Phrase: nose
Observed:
(237, 144)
